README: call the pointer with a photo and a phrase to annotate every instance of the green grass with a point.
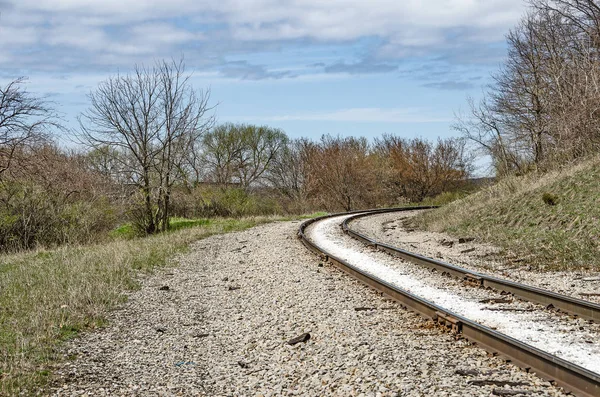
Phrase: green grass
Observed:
(441, 199)
(127, 231)
(305, 216)
(49, 296)
(549, 220)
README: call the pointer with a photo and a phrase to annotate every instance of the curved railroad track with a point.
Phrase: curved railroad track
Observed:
(552, 354)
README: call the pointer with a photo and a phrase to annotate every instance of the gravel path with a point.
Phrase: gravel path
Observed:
(389, 228)
(221, 329)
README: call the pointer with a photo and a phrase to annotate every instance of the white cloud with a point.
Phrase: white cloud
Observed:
(99, 30)
(412, 22)
(383, 115)
(163, 33)
(15, 36)
(76, 36)
(289, 19)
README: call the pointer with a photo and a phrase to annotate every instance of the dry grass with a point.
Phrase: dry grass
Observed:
(517, 215)
(49, 296)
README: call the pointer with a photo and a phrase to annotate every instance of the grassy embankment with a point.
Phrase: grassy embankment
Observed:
(48, 296)
(551, 221)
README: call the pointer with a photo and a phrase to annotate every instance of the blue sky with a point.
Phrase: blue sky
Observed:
(310, 67)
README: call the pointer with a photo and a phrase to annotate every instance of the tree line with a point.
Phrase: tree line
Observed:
(149, 149)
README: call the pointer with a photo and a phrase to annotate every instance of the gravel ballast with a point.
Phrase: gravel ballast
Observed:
(465, 252)
(574, 340)
(226, 325)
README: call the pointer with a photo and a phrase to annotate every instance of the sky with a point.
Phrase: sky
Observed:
(309, 67)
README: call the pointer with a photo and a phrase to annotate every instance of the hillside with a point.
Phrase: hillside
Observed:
(549, 221)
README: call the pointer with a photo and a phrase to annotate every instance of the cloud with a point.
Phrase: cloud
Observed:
(246, 71)
(408, 23)
(355, 37)
(362, 67)
(383, 115)
(163, 33)
(450, 85)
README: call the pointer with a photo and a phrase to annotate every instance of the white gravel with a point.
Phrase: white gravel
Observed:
(546, 330)
(232, 304)
(389, 228)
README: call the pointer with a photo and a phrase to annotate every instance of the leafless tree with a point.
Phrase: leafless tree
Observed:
(341, 173)
(241, 154)
(289, 170)
(151, 118)
(220, 148)
(543, 107)
(184, 111)
(24, 120)
(417, 168)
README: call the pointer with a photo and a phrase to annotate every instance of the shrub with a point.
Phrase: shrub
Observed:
(207, 201)
(32, 216)
(444, 198)
(550, 198)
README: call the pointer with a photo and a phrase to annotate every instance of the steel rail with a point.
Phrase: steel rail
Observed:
(576, 379)
(579, 307)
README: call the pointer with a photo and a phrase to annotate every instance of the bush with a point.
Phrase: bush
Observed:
(215, 201)
(550, 198)
(31, 216)
(444, 198)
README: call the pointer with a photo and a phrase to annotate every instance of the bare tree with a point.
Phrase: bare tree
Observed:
(417, 168)
(241, 154)
(151, 118)
(24, 120)
(260, 147)
(543, 108)
(289, 170)
(220, 148)
(184, 110)
(340, 173)
(521, 95)
(483, 127)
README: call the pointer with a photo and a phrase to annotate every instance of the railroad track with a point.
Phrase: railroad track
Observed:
(575, 378)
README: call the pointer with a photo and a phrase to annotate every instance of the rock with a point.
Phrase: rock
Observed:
(492, 382)
(509, 392)
(164, 288)
(243, 364)
(590, 294)
(591, 278)
(298, 339)
(464, 240)
(495, 300)
(467, 372)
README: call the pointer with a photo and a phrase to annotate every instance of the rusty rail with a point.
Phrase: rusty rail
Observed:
(571, 377)
(579, 307)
